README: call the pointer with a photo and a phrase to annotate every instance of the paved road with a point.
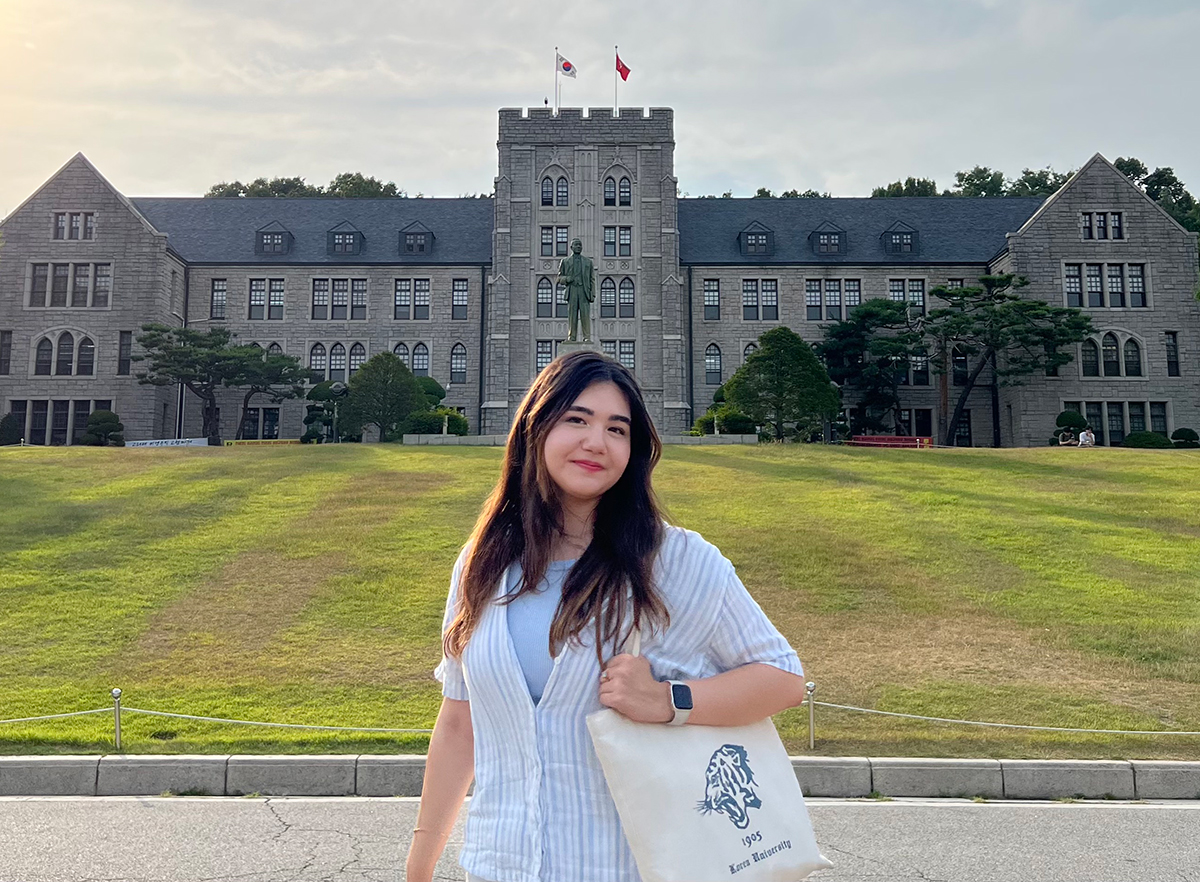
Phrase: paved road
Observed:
(183, 839)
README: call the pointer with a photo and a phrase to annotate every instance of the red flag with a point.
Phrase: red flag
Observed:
(622, 69)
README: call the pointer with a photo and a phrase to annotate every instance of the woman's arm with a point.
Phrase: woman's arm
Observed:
(738, 697)
(449, 769)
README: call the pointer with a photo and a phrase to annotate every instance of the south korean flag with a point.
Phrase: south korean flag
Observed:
(565, 67)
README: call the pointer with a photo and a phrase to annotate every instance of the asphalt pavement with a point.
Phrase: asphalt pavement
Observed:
(354, 839)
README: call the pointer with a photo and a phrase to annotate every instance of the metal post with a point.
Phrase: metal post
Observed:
(810, 687)
(116, 695)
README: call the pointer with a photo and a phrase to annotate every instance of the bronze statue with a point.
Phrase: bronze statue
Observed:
(578, 274)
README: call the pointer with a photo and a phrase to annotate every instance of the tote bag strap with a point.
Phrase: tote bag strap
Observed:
(634, 645)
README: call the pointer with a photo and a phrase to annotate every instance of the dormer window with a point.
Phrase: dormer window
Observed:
(344, 240)
(756, 243)
(901, 239)
(416, 243)
(276, 241)
(828, 239)
(343, 243)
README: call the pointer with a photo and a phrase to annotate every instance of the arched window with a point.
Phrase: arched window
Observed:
(562, 193)
(610, 191)
(1112, 359)
(1133, 359)
(401, 352)
(712, 365)
(750, 349)
(545, 298)
(560, 300)
(420, 360)
(337, 362)
(317, 362)
(256, 345)
(626, 298)
(608, 298)
(626, 192)
(274, 349)
(458, 364)
(358, 354)
(1090, 359)
(86, 365)
(66, 355)
(44, 358)
(547, 191)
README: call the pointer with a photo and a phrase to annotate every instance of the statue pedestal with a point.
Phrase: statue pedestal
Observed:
(565, 346)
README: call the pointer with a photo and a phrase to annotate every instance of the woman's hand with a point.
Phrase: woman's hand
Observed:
(628, 687)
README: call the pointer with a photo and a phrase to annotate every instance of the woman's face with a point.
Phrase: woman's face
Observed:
(587, 450)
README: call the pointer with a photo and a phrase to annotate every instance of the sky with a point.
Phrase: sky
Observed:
(167, 97)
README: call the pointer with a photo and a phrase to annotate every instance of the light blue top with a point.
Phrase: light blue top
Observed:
(529, 619)
(541, 810)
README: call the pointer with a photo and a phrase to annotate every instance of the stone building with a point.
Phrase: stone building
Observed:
(464, 289)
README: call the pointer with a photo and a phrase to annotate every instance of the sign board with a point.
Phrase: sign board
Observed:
(170, 442)
(266, 441)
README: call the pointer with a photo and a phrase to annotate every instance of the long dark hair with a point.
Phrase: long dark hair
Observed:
(518, 520)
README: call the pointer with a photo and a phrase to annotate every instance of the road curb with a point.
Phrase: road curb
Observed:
(401, 775)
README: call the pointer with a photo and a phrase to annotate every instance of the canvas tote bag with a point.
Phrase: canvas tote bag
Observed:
(702, 803)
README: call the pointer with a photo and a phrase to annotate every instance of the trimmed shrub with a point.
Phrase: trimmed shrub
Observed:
(1185, 437)
(104, 429)
(433, 390)
(1071, 419)
(703, 425)
(1147, 439)
(429, 422)
(10, 430)
(732, 421)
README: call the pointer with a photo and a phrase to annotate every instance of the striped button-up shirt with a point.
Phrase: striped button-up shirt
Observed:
(541, 811)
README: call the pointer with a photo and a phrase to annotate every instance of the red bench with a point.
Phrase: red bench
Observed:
(891, 441)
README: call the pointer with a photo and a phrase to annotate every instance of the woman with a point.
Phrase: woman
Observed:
(569, 555)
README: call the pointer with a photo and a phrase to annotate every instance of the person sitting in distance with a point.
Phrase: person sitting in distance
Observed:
(1087, 438)
(1067, 439)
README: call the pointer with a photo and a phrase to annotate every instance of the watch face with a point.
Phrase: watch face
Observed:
(681, 696)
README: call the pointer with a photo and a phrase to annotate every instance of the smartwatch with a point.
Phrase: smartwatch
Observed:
(681, 701)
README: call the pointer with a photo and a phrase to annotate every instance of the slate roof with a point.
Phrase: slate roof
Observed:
(222, 230)
(951, 229)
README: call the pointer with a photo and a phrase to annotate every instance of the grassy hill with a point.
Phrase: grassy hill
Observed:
(306, 584)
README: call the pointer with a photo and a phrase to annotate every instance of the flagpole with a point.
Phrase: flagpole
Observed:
(556, 81)
(616, 102)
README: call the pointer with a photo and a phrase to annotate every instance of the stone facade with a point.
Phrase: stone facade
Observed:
(678, 319)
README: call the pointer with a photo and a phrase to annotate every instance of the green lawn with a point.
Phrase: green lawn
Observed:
(306, 584)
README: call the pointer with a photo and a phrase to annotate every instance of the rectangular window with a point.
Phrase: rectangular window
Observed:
(272, 243)
(962, 432)
(1116, 419)
(625, 241)
(923, 425)
(458, 299)
(904, 424)
(60, 225)
(421, 298)
(756, 243)
(5, 351)
(829, 243)
(60, 418)
(812, 300)
(562, 240)
(1095, 285)
(19, 410)
(416, 243)
(626, 299)
(1137, 285)
(102, 285)
(80, 283)
(358, 300)
(83, 409)
(1116, 285)
(1172, 342)
(89, 226)
(124, 353)
(76, 230)
(58, 285)
(749, 299)
(320, 299)
(343, 243)
(547, 241)
(1073, 284)
(545, 353)
(920, 371)
(712, 299)
(403, 299)
(833, 300)
(250, 424)
(258, 298)
(560, 301)
(1137, 416)
(609, 348)
(853, 294)
(916, 293)
(275, 306)
(610, 241)
(1093, 412)
(1085, 225)
(954, 283)
(1101, 225)
(339, 305)
(901, 243)
(1116, 225)
(217, 299)
(39, 284)
(37, 424)
(1158, 417)
(896, 290)
(270, 423)
(770, 299)
(625, 354)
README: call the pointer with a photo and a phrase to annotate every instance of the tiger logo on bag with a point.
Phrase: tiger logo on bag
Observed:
(729, 786)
